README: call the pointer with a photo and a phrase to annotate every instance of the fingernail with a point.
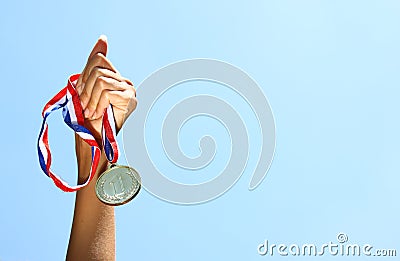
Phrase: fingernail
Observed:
(103, 37)
(83, 103)
(94, 116)
(87, 113)
(80, 88)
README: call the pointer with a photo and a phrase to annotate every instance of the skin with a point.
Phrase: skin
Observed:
(93, 227)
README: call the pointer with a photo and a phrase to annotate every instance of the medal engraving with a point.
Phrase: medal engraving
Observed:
(118, 185)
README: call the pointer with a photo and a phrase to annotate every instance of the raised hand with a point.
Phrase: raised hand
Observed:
(101, 84)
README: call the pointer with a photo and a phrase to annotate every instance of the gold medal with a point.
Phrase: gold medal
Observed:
(118, 185)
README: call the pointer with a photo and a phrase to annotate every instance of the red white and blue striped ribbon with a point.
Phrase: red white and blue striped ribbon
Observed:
(68, 100)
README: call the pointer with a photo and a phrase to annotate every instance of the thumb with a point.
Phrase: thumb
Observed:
(100, 46)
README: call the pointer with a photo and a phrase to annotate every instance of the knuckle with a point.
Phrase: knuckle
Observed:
(105, 97)
(98, 57)
(133, 103)
(83, 96)
(101, 82)
(129, 82)
(97, 72)
(131, 91)
(92, 105)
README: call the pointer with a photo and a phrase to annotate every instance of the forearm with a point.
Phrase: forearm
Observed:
(93, 228)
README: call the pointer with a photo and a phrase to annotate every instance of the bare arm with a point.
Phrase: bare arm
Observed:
(93, 227)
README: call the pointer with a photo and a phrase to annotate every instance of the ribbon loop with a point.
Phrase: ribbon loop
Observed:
(68, 100)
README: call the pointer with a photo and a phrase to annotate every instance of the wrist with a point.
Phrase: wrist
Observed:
(84, 160)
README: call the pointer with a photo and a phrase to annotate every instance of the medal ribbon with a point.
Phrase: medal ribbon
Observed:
(68, 100)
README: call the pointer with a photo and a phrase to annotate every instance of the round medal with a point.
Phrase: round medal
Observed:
(118, 185)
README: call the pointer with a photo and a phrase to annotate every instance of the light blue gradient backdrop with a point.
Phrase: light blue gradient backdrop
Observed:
(330, 70)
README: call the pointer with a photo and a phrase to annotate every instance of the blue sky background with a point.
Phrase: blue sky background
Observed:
(330, 70)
